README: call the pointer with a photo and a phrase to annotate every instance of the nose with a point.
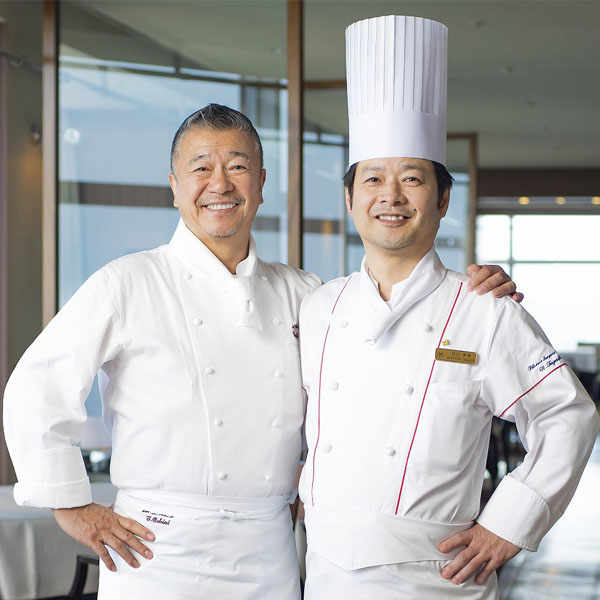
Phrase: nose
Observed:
(219, 181)
(393, 194)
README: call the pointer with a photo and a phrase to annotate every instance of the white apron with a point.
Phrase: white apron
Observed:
(206, 548)
(420, 580)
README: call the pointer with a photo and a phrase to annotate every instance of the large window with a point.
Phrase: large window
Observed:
(125, 85)
(120, 102)
(556, 263)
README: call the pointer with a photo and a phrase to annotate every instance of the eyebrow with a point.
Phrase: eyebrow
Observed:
(405, 167)
(232, 153)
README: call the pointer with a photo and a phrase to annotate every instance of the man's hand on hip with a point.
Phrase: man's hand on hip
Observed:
(492, 278)
(98, 526)
(485, 552)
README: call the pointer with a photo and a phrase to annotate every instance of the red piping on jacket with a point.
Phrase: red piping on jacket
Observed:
(423, 400)
(312, 485)
(527, 392)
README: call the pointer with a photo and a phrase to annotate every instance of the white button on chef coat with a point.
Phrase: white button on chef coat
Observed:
(165, 381)
(438, 433)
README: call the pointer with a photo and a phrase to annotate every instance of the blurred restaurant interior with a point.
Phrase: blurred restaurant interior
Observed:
(91, 92)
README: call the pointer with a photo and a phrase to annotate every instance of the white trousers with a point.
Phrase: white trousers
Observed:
(403, 581)
(206, 552)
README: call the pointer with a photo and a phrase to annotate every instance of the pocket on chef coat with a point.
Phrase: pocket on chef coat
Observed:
(452, 421)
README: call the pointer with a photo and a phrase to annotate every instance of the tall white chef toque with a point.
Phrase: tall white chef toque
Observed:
(396, 69)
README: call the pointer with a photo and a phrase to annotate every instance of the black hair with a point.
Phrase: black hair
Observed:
(444, 179)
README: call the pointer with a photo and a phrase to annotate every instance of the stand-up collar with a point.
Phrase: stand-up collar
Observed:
(196, 255)
(426, 277)
(240, 288)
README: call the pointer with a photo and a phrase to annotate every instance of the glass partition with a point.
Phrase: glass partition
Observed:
(452, 239)
(125, 84)
(549, 256)
(325, 151)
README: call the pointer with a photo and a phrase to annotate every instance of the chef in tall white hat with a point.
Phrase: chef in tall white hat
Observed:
(404, 369)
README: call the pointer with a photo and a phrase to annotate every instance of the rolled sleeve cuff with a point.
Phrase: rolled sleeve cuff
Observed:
(54, 479)
(517, 514)
(66, 495)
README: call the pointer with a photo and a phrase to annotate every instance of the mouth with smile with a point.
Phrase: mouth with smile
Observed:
(220, 207)
(392, 218)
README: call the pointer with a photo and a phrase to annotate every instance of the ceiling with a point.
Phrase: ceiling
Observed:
(524, 75)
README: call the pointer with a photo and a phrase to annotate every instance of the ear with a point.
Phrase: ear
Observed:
(173, 184)
(263, 178)
(348, 201)
(445, 201)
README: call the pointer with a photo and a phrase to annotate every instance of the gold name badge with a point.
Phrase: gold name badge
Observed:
(456, 356)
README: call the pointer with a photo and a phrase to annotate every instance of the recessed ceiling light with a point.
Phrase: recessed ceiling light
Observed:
(561, 200)
(523, 200)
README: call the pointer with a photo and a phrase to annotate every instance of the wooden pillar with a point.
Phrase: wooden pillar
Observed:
(3, 213)
(6, 472)
(49, 158)
(295, 76)
(473, 196)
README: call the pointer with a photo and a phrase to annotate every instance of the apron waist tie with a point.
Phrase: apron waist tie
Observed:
(198, 505)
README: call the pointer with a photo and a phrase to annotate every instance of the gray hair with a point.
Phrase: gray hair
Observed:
(216, 116)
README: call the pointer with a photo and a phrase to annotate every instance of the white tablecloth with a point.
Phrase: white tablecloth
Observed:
(37, 559)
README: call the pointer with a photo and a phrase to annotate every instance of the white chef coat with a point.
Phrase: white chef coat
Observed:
(398, 440)
(203, 391)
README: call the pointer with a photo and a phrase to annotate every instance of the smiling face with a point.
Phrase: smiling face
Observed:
(217, 184)
(395, 205)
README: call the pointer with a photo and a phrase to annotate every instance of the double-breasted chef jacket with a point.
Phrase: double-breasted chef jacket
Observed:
(201, 390)
(398, 440)
(202, 379)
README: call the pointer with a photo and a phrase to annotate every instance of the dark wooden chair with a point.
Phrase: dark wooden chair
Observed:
(81, 573)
